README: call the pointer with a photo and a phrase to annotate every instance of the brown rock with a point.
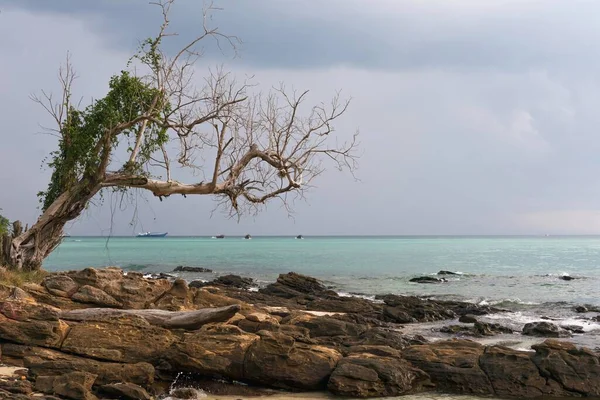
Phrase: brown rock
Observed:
(177, 298)
(60, 285)
(15, 385)
(92, 295)
(125, 391)
(452, 365)
(575, 369)
(46, 362)
(257, 322)
(119, 341)
(544, 329)
(292, 285)
(278, 360)
(217, 350)
(512, 373)
(31, 323)
(367, 375)
(76, 385)
(326, 326)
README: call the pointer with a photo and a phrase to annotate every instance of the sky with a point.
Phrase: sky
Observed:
(475, 117)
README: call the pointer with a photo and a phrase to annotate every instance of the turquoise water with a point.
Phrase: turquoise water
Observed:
(494, 269)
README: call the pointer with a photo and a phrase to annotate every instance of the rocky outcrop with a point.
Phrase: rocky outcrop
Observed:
(544, 329)
(161, 328)
(183, 268)
(428, 279)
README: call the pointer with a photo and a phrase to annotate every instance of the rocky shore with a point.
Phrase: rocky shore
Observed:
(107, 334)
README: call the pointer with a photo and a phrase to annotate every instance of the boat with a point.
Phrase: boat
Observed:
(299, 237)
(220, 236)
(152, 234)
(248, 236)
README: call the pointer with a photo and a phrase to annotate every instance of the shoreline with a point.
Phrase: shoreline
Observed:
(294, 334)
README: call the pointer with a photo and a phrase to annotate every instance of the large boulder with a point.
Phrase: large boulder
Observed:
(367, 375)
(91, 295)
(512, 373)
(544, 329)
(60, 285)
(216, 350)
(452, 365)
(323, 326)
(577, 370)
(125, 391)
(294, 285)
(119, 341)
(75, 385)
(45, 362)
(278, 360)
(31, 323)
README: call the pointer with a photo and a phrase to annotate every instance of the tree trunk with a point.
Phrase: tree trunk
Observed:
(29, 248)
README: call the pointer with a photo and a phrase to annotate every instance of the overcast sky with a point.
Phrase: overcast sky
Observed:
(476, 117)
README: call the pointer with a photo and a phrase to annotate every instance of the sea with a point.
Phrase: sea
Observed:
(522, 275)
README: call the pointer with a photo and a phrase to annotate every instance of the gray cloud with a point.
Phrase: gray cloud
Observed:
(400, 34)
(475, 118)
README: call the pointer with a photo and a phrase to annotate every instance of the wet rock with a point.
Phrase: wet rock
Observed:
(183, 268)
(234, 281)
(573, 328)
(60, 285)
(294, 285)
(467, 319)
(125, 391)
(479, 329)
(427, 279)
(186, 393)
(278, 360)
(408, 309)
(92, 295)
(367, 375)
(566, 278)
(581, 309)
(447, 273)
(76, 385)
(544, 329)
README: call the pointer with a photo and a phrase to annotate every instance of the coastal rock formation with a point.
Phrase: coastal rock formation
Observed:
(544, 329)
(427, 279)
(82, 351)
(183, 268)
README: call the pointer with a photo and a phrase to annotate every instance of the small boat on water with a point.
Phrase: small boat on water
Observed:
(299, 237)
(220, 236)
(248, 236)
(152, 234)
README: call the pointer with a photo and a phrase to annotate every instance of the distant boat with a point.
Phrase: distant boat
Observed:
(299, 237)
(152, 234)
(220, 236)
(248, 236)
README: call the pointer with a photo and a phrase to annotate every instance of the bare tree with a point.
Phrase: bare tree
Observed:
(260, 146)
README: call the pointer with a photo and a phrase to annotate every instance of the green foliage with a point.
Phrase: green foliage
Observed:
(84, 134)
(4, 225)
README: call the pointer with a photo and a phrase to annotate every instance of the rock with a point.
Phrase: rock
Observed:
(453, 366)
(581, 309)
(467, 319)
(92, 295)
(408, 309)
(46, 362)
(427, 279)
(257, 322)
(577, 370)
(60, 285)
(234, 281)
(215, 350)
(131, 290)
(126, 391)
(31, 323)
(186, 393)
(15, 385)
(447, 273)
(544, 329)
(177, 298)
(367, 375)
(75, 385)
(278, 360)
(326, 326)
(183, 268)
(385, 337)
(566, 278)
(573, 328)
(479, 329)
(120, 341)
(512, 373)
(293, 285)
